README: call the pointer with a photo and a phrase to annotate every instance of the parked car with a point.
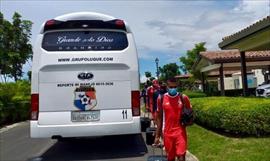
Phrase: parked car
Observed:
(263, 90)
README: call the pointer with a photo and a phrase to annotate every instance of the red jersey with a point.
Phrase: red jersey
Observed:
(175, 137)
(150, 94)
(172, 107)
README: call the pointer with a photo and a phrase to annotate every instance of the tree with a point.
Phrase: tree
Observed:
(148, 75)
(183, 69)
(29, 75)
(15, 47)
(5, 39)
(192, 55)
(188, 61)
(152, 78)
(169, 71)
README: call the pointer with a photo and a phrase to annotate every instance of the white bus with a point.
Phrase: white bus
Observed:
(85, 79)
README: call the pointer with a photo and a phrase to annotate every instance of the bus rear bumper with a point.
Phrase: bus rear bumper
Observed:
(85, 130)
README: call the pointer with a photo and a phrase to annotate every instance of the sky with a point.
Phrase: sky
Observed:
(162, 29)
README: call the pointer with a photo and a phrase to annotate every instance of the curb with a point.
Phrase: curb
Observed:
(191, 157)
(6, 128)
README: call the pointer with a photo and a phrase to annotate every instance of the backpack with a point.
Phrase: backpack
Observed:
(187, 114)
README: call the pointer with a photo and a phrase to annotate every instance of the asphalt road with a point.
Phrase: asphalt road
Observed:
(16, 145)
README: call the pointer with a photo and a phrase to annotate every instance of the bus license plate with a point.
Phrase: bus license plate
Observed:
(85, 116)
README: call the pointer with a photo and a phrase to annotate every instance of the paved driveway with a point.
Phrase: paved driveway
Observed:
(16, 145)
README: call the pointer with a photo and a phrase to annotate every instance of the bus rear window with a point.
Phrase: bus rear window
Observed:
(84, 41)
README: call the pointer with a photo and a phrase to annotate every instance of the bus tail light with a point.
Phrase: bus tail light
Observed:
(34, 106)
(50, 22)
(119, 23)
(135, 103)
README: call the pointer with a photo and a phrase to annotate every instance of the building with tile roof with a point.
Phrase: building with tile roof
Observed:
(244, 50)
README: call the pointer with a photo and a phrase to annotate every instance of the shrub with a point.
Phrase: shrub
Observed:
(239, 92)
(14, 102)
(236, 115)
(1, 113)
(19, 91)
(194, 94)
(15, 112)
(212, 89)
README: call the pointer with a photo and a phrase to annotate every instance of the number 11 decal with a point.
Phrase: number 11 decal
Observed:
(124, 113)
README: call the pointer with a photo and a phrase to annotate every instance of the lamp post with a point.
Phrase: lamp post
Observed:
(157, 60)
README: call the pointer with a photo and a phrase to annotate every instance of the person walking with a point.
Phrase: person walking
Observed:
(163, 89)
(152, 98)
(143, 94)
(159, 93)
(174, 133)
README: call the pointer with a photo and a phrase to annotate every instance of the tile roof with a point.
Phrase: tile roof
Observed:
(225, 56)
(184, 76)
(225, 72)
(263, 23)
(247, 28)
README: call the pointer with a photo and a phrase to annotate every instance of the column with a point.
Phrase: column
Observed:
(244, 73)
(221, 79)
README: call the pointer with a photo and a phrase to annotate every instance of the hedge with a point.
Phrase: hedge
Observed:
(16, 112)
(235, 115)
(14, 102)
(194, 94)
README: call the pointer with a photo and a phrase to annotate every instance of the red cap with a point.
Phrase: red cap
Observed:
(155, 82)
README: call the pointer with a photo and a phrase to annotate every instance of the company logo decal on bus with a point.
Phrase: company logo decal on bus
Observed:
(85, 76)
(85, 98)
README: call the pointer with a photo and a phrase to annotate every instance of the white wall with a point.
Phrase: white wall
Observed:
(235, 82)
(228, 83)
(259, 76)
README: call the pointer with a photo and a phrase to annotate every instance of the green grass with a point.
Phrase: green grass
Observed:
(209, 146)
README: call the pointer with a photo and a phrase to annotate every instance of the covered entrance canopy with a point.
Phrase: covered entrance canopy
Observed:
(229, 60)
(255, 37)
(213, 60)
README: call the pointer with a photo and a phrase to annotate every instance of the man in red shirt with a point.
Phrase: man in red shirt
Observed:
(174, 133)
(150, 95)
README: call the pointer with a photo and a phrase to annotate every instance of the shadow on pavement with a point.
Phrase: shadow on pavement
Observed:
(109, 147)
